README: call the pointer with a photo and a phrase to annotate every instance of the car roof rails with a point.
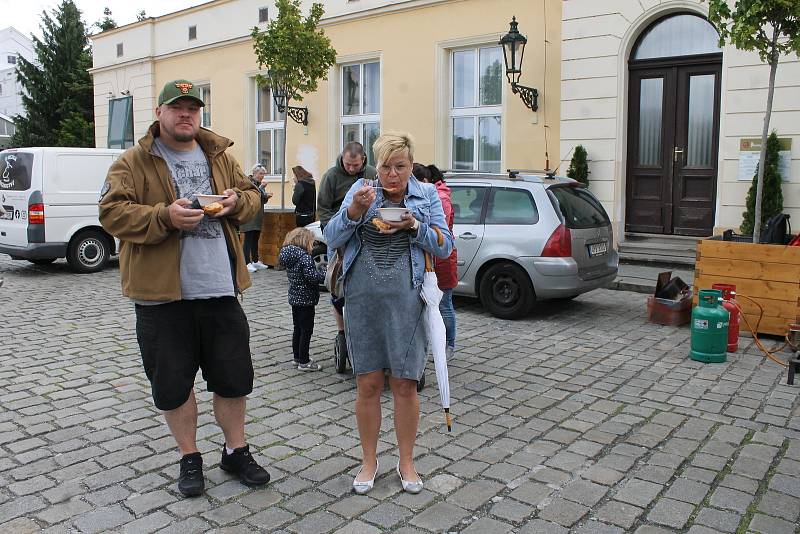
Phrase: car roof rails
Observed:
(465, 171)
(514, 173)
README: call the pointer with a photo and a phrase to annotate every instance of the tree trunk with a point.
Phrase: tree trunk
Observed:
(283, 156)
(773, 67)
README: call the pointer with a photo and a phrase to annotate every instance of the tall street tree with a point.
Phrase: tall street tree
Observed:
(58, 92)
(771, 28)
(297, 55)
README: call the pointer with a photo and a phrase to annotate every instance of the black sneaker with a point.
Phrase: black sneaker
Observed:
(242, 464)
(191, 482)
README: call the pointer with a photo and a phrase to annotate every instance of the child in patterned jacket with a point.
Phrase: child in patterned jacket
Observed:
(304, 280)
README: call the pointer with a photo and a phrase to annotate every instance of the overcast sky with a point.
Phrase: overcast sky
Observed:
(25, 15)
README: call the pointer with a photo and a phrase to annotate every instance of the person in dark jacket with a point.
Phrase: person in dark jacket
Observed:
(252, 228)
(304, 280)
(304, 197)
(350, 166)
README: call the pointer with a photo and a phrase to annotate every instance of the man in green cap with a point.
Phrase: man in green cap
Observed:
(183, 268)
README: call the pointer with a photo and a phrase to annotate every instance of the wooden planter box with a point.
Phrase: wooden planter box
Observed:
(769, 274)
(274, 227)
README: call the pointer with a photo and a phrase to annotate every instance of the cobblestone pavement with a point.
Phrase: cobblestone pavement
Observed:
(581, 418)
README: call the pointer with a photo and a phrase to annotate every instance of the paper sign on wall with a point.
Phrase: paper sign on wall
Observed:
(750, 150)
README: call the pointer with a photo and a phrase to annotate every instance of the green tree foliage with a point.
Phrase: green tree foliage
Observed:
(294, 49)
(106, 23)
(296, 53)
(141, 15)
(492, 84)
(579, 166)
(58, 94)
(772, 201)
(771, 28)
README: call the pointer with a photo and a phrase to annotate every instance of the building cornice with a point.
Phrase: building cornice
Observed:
(196, 50)
(153, 20)
(406, 5)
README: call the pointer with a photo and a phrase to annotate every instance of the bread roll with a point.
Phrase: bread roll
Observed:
(213, 208)
(381, 224)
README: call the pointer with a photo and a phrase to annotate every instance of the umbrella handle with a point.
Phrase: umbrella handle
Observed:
(448, 420)
(429, 267)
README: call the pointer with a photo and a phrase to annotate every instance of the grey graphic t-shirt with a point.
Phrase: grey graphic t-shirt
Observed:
(205, 265)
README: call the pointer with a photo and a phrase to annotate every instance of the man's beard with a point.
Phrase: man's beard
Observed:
(183, 138)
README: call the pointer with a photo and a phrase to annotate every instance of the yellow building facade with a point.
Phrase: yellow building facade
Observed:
(430, 67)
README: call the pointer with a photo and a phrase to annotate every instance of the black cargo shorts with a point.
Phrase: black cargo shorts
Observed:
(178, 338)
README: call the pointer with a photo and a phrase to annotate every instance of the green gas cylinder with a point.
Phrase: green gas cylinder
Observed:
(709, 328)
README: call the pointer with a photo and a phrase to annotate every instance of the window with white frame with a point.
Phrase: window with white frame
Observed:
(205, 94)
(361, 105)
(476, 108)
(270, 136)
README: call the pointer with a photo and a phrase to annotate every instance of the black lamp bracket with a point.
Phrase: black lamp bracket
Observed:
(298, 115)
(529, 95)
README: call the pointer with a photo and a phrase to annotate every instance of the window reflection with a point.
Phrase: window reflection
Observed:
(678, 35)
(651, 98)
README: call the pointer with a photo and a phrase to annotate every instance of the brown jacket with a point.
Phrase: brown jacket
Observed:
(134, 208)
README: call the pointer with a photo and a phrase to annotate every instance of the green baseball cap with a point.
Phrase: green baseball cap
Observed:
(176, 89)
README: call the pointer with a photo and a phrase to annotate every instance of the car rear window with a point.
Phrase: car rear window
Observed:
(15, 171)
(511, 206)
(579, 207)
(467, 203)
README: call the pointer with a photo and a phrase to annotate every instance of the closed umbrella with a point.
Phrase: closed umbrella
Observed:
(434, 326)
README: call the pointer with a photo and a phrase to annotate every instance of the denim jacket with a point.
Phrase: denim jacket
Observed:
(423, 201)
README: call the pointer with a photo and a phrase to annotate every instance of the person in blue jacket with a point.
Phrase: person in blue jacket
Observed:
(383, 268)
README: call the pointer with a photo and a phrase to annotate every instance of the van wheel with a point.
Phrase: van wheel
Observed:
(88, 252)
(506, 292)
(42, 261)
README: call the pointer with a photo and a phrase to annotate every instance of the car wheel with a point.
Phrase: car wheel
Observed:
(506, 292)
(88, 252)
(319, 253)
(42, 261)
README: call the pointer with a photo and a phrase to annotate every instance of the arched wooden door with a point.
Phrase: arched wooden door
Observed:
(673, 128)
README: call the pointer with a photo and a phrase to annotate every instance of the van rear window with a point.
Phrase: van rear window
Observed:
(15, 171)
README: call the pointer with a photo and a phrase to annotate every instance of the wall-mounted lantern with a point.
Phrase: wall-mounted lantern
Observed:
(513, 51)
(280, 96)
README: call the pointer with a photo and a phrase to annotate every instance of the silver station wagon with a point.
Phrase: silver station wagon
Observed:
(524, 237)
(527, 237)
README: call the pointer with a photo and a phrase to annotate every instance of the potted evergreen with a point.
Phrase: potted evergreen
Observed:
(772, 196)
(579, 166)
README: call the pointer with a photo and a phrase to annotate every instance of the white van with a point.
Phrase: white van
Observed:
(50, 197)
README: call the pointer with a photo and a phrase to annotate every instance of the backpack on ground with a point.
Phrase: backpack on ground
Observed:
(777, 230)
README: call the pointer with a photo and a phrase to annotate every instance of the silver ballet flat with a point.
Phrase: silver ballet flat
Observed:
(364, 486)
(409, 487)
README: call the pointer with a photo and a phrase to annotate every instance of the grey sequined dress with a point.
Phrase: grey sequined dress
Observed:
(383, 313)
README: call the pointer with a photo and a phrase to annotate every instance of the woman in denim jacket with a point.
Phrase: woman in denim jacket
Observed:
(383, 271)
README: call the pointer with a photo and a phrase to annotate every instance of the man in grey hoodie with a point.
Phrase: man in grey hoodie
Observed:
(350, 166)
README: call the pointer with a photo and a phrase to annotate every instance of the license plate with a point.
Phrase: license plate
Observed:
(598, 249)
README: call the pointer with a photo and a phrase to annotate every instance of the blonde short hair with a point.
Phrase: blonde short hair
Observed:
(300, 237)
(391, 144)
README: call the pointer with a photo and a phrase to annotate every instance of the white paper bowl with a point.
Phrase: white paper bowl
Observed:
(205, 200)
(392, 214)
